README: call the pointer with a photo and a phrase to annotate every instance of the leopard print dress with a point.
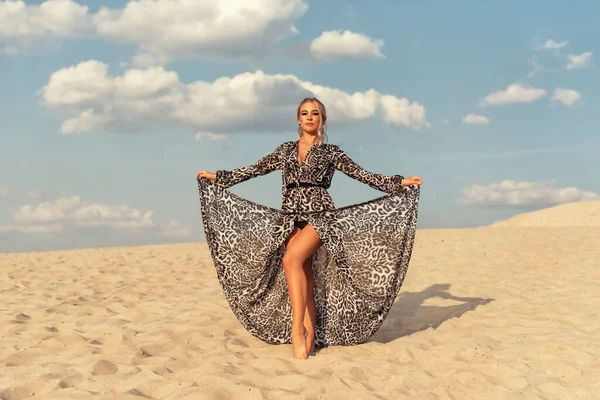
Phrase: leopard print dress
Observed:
(357, 272)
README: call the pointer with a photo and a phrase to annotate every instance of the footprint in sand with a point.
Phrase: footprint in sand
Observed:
(104, 367)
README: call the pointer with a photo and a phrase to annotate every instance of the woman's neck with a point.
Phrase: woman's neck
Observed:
(309, 139)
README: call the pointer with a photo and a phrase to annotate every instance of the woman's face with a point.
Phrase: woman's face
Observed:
(310, 118)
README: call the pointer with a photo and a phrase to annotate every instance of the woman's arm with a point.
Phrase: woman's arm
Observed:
(388, 184)
(265, 165)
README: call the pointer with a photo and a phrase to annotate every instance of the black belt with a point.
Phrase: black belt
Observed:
(305, 184)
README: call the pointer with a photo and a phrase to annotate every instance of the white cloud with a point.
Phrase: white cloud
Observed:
(177, 230)
(401, 112)
(566, 96)
(116, 217)
(476, 119)
(156, 96)
(211, 136)
(219, 28)
(535, 67)
(161, 29)
(30, 193)
(49, 228)
(515, 93)
(347, 45)
(47, 211)
(72, 212)
(579, 61)
(550, 44)
(148, 60)
(513, 193)
(22, 25)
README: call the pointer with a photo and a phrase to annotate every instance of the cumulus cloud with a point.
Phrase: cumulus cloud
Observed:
(513, 193)
(551, 44)
(21, 24)
(221, 28)
(156, 96)
(475, 119)
(160, 29)
(346, 45)
(176, 229)
(395, 111)
(568, 97)
(163, 30)
(71, 212)
(515, 93)
(3, 190)
(579, 61)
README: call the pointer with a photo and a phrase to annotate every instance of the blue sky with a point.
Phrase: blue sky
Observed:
(109, 110)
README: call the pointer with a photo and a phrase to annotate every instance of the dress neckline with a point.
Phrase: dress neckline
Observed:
(303, 162)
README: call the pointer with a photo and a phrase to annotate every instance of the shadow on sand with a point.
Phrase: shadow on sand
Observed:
(408, 314)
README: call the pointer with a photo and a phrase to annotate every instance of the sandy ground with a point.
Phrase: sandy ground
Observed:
(495, 312)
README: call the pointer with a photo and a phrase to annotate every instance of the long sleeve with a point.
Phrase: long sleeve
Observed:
(388, 184)
(265, 165)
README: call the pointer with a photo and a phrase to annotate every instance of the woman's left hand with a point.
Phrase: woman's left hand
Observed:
(412, 180)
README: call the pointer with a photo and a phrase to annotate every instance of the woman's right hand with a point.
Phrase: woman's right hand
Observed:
(412, 180)
(206, 174)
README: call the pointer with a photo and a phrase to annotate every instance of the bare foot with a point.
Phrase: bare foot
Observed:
(310, 339)
(310, 344)
(299, 346)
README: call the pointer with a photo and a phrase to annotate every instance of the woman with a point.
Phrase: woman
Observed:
(339, 293)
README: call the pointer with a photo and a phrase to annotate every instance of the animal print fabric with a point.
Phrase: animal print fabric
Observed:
(359, 269)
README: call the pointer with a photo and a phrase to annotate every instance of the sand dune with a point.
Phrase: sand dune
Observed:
(581, 213)
(484, 314)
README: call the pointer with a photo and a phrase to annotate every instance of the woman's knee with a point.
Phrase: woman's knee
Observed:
(291, 260)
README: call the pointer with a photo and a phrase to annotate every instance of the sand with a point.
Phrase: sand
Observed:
(485, 313)
(581, 213)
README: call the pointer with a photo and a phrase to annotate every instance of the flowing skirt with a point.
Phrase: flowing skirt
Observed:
(357, 272)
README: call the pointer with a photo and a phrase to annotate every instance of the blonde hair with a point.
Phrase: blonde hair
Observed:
(322, 120)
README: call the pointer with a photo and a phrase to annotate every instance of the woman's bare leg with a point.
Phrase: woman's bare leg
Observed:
(310, 314)
(297, 253)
